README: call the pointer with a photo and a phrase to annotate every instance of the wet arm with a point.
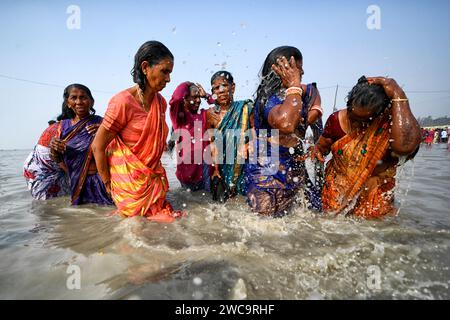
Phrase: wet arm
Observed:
(101, 141)
(405, 128)
(314, 115)
(286, 117)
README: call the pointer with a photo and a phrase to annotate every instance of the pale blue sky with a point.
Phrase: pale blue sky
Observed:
(412, 46)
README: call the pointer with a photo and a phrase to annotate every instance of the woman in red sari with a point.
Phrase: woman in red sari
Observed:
(366, 140)
(130, 142)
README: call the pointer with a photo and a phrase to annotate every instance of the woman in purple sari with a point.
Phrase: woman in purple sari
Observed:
(73, 146)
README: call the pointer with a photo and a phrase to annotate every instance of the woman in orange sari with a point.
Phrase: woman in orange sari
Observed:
(130, 142)
(366, 140)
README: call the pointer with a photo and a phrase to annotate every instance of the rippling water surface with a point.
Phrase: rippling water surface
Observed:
(224, 251)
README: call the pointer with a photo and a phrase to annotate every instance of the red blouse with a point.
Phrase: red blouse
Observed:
(333, 129)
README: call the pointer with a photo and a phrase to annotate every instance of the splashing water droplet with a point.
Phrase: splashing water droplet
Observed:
(197, 281)
(295, 179)
(184, 205)
(291, 150)
(174, 30)
(219, 44)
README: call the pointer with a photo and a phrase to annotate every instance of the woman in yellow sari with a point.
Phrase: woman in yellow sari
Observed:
(130, 142)
(366, 140)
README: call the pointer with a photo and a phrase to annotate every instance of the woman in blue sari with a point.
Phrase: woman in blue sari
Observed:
(72, 146)
(232, 123)
(284, 109)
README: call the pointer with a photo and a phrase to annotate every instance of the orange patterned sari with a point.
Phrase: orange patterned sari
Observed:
(350, 185)
(138, 180)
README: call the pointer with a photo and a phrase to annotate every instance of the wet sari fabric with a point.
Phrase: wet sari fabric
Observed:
(276, 177)
(45, 178)
(85, 187)
(350, 183)
(230, 138)
(138, 180)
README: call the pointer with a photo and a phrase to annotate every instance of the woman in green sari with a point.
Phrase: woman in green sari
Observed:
(232, 121)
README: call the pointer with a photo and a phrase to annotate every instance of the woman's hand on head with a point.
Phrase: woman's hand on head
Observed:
(288, 71)
(201, 91)
(390, 86)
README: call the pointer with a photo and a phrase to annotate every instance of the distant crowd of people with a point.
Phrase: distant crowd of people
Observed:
(438, 135)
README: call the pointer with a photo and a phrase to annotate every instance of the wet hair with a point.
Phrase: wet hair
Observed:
(270, 82)
(191, 87)
(153, 52)
(66, 112)
(368, 96)
(222, 74)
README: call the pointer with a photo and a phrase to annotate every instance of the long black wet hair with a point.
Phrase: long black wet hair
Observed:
(368, 96)
(66, 112)
(270, 82)
(153, 52)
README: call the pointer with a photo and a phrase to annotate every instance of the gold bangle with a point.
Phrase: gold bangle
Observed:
(399, 100)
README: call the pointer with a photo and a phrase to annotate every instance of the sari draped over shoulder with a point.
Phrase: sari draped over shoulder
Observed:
(45, 178)
(192, 171)
(277, 176)
(138, 180)
(350, 186)
(230, 137)
(86, 187)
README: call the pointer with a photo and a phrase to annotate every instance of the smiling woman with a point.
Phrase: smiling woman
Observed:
(130, 142)
(72, 146)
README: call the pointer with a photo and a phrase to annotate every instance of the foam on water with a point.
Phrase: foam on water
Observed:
(225, 251)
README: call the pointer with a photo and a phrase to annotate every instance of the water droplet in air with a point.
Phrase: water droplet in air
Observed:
(184, 205)
(197, 281)
(219, 44)
(295, 179)
(291, 150)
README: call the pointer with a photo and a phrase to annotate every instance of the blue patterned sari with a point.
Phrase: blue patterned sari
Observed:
(274, 179)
